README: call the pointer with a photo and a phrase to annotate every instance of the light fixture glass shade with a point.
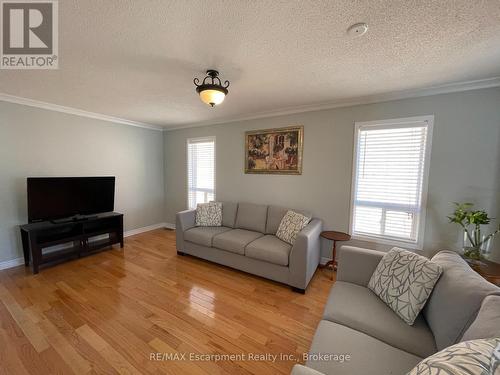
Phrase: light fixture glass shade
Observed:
(212, 97)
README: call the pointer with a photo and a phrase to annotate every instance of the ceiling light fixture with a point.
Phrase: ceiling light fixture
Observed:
(211, 90)
(357, 29)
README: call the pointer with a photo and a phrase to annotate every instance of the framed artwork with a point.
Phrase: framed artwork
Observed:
(274, 151)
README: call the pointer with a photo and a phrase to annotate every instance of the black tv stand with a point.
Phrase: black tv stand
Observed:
(72, 219)
(78, 230)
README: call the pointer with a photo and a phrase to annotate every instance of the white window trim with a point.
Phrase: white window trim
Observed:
(194, 140)
(398, 122)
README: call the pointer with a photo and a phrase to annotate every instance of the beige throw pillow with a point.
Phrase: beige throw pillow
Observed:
(208, 214)
(290, 226)
(404, 280)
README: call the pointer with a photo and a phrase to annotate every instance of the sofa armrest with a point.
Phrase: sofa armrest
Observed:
(303, 370)
(356, 265)
(305, 254)
(184, 220)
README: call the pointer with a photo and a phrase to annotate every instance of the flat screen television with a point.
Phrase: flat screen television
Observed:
(51, 198)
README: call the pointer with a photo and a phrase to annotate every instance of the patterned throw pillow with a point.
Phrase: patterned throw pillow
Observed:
(291, 224)
(404, 281)
(476, 357)
(209, 214)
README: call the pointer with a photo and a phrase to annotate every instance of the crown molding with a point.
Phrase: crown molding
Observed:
(75, 111)
(371, 99)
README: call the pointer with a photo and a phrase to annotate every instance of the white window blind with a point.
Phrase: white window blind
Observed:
(201, 170)
(389, 180)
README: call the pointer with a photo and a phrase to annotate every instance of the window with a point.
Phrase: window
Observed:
(201, 170)
(390, 171)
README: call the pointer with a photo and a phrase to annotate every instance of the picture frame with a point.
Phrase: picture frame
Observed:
(274, 151)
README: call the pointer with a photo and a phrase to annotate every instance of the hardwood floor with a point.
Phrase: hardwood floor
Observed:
(111, 312)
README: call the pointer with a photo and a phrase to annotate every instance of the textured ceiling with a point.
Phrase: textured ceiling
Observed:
(136, 59)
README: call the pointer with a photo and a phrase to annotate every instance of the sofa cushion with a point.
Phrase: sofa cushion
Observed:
(476, 357)
(270, 249)
(203, 235)
(251, 217)
(356, 265)
(487, 323)
(456, 299)
(235, 240)
(229, 210)
(404, 281)
(367, 354)
(359, 308)
(274, 216)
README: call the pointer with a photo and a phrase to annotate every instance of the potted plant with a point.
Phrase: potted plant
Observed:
(476, 245)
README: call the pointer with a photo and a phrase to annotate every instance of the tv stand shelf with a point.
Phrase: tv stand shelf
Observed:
(43, 234)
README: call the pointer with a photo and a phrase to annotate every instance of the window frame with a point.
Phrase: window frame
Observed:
(387, 124)
(200, 140)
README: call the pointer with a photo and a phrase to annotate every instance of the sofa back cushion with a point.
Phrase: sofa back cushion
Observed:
(455, 300)
(487, 323)
(251, 217)
(229, 210)
(274, 216)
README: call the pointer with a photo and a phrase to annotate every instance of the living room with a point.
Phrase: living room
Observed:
(227, 187)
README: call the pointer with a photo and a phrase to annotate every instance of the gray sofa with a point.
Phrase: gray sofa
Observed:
(246, 241)
(357, 323)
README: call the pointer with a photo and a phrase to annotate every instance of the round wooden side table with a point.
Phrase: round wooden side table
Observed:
(487, 269)
(334, 236)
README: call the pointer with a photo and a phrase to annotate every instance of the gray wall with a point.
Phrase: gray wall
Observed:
(37, 142)
(465, 161)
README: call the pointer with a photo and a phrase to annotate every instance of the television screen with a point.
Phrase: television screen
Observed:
(52, 198)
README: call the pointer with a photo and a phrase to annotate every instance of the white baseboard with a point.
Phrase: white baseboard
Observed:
(169, 225)
(324, 260)
(11, 263)
(133, 232)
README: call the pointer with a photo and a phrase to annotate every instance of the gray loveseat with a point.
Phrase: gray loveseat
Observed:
(357, 323)
(246, 241)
